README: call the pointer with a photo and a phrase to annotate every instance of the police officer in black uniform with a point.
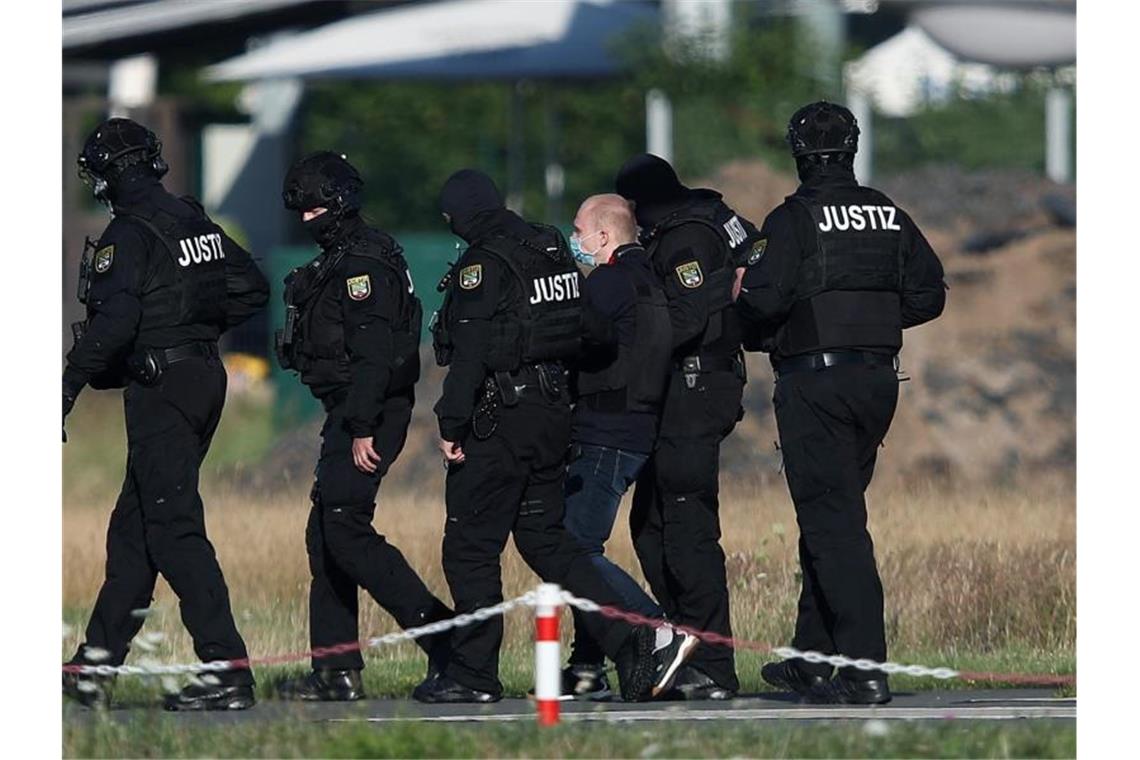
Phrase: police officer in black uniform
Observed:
(693, 239)
(839, 272)
(353, 333)
(509, 321)
(161, 285)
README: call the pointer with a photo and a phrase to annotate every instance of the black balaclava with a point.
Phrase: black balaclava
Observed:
(325, 180)
(468, 197)
(652, 184)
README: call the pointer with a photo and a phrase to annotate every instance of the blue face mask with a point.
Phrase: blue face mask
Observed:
(581, 255)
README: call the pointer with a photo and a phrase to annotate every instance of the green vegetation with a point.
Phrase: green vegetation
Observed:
(163, 736)
(1002, 130)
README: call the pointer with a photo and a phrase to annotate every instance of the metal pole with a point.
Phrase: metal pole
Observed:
(516, 150)
(860, 106)
(659, 125)
(1058, 134)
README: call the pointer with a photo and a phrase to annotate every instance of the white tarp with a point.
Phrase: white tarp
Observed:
(455, 38)
(1023, 35)
(910, 69)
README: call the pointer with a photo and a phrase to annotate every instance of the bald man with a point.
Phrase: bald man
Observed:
(619, 388)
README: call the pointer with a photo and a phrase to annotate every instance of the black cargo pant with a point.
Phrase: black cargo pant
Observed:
(346, 552)
(675, 518)
(831, 424)
(513, 483)
(158, 525)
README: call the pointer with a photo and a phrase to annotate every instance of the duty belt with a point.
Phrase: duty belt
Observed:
(826, 359)
(691, 367)
(202, 349)
(543, 379)
(146, 365)
(706, 364)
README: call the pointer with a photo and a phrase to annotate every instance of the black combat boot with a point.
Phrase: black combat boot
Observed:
(692, 684)
(584, 681)
(88, 690)
(444, 689)
(790, 676)
(323, 686)
(842, 690)
(207, 696)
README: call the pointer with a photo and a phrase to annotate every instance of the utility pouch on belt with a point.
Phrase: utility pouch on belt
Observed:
(739, 368)
(78, 330)
(550, 381)
(145, 367)
(507, 390)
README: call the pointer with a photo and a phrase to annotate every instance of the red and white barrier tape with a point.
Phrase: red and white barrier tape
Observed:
(837, 660)
(547, 600)
(459, 621)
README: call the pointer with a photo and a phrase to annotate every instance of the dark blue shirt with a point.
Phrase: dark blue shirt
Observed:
(609, 301)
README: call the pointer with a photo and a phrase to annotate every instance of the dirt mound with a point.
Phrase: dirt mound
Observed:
(992, 394)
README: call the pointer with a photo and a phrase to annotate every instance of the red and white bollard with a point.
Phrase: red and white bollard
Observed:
(547, 654)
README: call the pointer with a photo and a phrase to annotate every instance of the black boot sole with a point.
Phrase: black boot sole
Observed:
(802, 688)
(229, 703)
(455, 699)
(337, 696)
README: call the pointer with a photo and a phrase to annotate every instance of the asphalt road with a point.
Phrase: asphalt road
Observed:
(999, 704)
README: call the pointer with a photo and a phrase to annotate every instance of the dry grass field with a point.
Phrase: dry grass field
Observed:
(981, 578)
(977, 577)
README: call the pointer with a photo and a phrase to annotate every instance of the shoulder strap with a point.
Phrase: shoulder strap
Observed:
(154, 229)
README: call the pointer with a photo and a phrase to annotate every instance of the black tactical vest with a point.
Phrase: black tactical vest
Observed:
(737, 235)
(313, 341)
(545, 325)
(640, 369)
(850, 281)
(196, 294)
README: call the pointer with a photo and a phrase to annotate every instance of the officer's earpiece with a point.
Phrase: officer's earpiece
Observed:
(158, 163)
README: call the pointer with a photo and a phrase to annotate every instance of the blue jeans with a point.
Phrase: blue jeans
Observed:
(595, 482)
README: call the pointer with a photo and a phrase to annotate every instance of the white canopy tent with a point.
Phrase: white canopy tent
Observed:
(454, 39)
(457, 40)
(966, 43)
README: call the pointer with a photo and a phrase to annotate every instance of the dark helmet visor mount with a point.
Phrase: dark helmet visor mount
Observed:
(822, 127)
(323, 180)
(116, 145)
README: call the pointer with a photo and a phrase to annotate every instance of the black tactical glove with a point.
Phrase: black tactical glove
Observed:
(68, 402)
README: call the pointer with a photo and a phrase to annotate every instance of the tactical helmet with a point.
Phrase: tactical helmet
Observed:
(323, 179)
(822, 127)
(116, 145)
